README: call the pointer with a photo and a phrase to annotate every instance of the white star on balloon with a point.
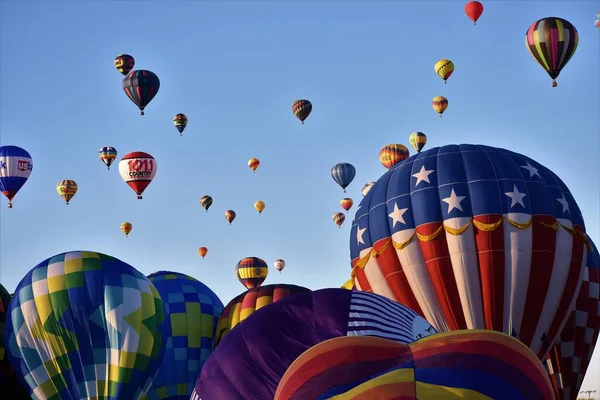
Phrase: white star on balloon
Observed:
(516, 197)
(359, 235)
(397, 215)
(454, 201)
(423, 175)
(565, 204)
(532, 170)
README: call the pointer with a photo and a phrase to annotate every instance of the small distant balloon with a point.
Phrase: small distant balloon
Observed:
(597, 20)
(66, 189)
(417, 140)
(138, 169)
(259, 206)
(107, 155)
(253, 163)
(141, 86)
(474, 9)
(206, 201)
(346, 203)
(301, 109)
(392, 154)
(126, 228)
(343, 174)
(279, 264)
(124, 63)
(230, 216)
(180, 121)
(339, 219)
(202, 252)
(15, 167)
(366, 187)
(251, 272)
(444, 68)
(439, 103)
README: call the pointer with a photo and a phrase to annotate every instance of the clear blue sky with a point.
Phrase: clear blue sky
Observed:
(234, 68)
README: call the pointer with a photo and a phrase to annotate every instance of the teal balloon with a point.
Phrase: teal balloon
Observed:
(85, 325)
(192, 312)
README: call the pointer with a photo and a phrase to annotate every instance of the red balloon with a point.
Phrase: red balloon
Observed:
(474, 9)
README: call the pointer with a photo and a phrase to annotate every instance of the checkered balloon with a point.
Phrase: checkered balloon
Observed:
(192, 311)
(84, 325)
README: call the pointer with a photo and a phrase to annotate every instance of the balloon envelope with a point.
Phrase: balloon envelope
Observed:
(86, 325)
(15, 167)
(192, 310)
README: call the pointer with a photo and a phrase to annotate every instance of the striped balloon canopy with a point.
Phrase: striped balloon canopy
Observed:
(251, 272)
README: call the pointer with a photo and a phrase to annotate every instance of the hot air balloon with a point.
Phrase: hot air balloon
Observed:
(107, 155)
(343, 174)
(439, 103)
(192, 310)
(138, 169)
(126, 228)
(253, 163)
(346, 203)
(260, 349)
(339, 219)
(259, 206)
(597, 20)
(180, 122)
(392, 154)
(466, 364)
(202, 251)
(518, 228)
(570, 357)
(552, 42)
(417, 140)
(366, 188)
(15, 167)
(206, 201)
(279, 264)
(251, 272)
(124, 63)
(85, 325)
(243, 305)
(230, 216)
(444, 68)
(301, 109)
(474, 9)
(66, 189)
(141, 86)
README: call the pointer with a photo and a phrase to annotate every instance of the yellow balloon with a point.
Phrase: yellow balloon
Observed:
(444, 68)
(259, 206)
(126, 227)
(439, 103)
(66, 189)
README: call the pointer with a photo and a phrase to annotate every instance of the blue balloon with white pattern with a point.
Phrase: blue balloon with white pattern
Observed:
(473, 237)
(343, 174)
(192, 310)
(15, 168)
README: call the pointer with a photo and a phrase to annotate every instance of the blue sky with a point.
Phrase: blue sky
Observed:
(234, 68)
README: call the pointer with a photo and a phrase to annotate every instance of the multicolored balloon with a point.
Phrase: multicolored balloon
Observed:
(192, 311)
(85, 325)
(206, 201)
(202, 252)
(251, 272)
(138, 169)
(405, 246)
(141, 86)
(15, 168)
(474, 364)
(107, 155)
(474, 9)
(392, 154)
(366, 188)
(279, 264)
(338, 218)
(343, 174)
(301, 109)
(417, 140)
(253, 163)
(124, 63)
(180, 121)
(126, 228)
(230, 216)
(552, 42)
(439, 103)
(346, 203)
(66, 189)
(243, 305)
(444, 68)
(259, 206)
(261, 349)
(570, 357)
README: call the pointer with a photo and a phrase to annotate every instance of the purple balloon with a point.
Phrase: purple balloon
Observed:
(250, 361)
